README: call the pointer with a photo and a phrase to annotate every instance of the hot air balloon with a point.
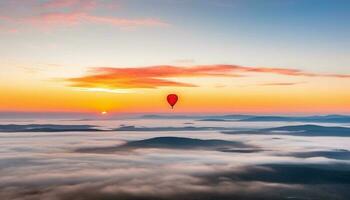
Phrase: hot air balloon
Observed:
(172, 99)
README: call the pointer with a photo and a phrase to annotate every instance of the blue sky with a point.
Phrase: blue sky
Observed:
(309, 34)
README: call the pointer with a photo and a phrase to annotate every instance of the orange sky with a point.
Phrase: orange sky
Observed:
(126, 56)
(200, 89)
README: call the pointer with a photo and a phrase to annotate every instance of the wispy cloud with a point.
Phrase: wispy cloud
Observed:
(184, 61)
(145, 77)
(54, 19)
(116, 91)
(82, 4)
(8, 30)
(158, 76)
(59, 13)
(281, 84)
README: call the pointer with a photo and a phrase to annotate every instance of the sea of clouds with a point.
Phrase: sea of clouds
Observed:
(109, 162)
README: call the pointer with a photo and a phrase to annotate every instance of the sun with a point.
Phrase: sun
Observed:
(104, 113)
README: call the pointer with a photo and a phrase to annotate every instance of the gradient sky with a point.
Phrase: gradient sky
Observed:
(277, 56)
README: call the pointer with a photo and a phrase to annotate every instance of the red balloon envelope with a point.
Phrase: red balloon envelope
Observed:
(172, 99)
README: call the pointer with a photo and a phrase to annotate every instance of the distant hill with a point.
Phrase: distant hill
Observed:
(45, 128)
(340, 154)
(180, 142)
(185, 128)
(314, 130)
(169, 117)
(300, 130)
(198, 117)
(306, 174)
(324, 119)
(176, 143)
(257, 118)
(214, 120)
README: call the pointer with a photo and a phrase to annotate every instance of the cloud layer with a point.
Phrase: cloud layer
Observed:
(158, 76)
(47, 166)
